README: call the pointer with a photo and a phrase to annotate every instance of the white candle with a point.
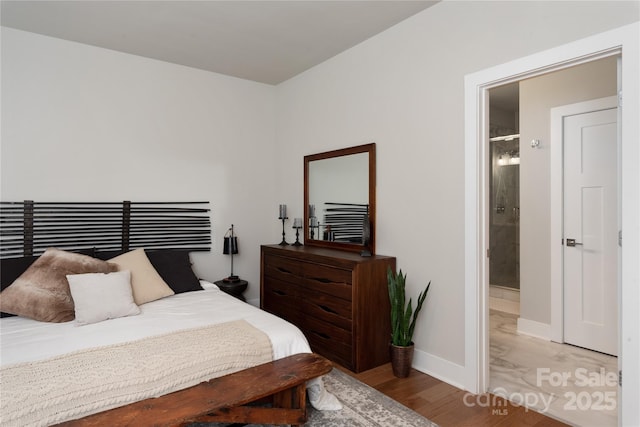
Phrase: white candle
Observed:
(314, 221)
(312, 211)
(283, 211)
(297, 223)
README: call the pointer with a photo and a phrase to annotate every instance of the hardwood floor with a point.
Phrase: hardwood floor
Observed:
(448, 406)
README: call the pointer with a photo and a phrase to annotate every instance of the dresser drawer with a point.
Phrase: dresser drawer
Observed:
(280, 298)
(327, 308)
(333, 281)
(326, 274)
(284, 269)
(328, 340)
(290, 314)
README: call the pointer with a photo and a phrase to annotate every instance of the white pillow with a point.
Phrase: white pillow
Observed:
(100, 296)
(146, 283)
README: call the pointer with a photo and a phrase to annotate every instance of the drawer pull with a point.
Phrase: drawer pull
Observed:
(322, 335)
(322, 280)
(284, 270)
(327, 309)
(278, 292)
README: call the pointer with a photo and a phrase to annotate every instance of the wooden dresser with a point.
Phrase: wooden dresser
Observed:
(338, 299)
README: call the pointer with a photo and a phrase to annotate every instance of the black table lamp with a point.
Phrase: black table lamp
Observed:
(230, 248)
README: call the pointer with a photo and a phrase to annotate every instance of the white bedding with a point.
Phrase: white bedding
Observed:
(25, 340)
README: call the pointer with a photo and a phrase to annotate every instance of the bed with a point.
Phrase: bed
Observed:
(111, 354)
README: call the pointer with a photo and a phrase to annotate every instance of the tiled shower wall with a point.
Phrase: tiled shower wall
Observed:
(504, 218)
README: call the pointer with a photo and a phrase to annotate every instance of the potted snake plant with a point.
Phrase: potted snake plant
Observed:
(403, 323)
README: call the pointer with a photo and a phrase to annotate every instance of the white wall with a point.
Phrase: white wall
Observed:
(537, 96)
(81, 123)
(404, 89)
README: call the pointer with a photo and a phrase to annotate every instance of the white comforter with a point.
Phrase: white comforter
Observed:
(25, 340)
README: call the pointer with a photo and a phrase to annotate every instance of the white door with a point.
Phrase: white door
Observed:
(591, 230)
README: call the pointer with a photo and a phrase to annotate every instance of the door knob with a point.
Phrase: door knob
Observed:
(572, 242)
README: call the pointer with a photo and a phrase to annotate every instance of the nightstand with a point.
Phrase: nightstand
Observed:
(233, 288)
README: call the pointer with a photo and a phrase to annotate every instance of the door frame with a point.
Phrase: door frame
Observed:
(557, 206)
(622, 41)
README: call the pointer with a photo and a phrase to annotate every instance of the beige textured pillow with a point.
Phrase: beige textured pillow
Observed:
(100, 296)
(146, 283)
(42, 291)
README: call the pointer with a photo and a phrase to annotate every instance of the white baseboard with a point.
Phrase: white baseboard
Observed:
(439, 368)
(534, 329)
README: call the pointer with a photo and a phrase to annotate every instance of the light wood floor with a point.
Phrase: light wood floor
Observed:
(445, 405)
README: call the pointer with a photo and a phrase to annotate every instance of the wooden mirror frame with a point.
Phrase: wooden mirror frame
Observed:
(352, 247)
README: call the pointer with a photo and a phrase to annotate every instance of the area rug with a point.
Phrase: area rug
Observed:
(362, 406)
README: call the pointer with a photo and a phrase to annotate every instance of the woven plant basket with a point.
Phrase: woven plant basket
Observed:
(401, 358)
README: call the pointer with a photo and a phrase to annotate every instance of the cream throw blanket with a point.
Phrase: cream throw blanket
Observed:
(89, 381)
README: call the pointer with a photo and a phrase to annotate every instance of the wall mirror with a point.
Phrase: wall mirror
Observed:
(340, 199)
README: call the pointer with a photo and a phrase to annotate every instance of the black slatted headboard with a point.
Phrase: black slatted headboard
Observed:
(28, 228)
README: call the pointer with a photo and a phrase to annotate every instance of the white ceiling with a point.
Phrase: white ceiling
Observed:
(264, 41)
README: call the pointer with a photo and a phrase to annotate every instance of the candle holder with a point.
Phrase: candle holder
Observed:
(284, 242)
(312, 220)
(297, 224)
(313, 224)
(282, 215)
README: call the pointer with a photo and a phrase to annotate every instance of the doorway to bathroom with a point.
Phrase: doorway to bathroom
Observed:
(623, 41)
(521, 297)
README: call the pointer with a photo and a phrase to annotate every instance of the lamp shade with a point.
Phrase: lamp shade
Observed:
(230, 245)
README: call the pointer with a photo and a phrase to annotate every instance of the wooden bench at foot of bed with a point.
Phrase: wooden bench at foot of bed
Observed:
(225, 399)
